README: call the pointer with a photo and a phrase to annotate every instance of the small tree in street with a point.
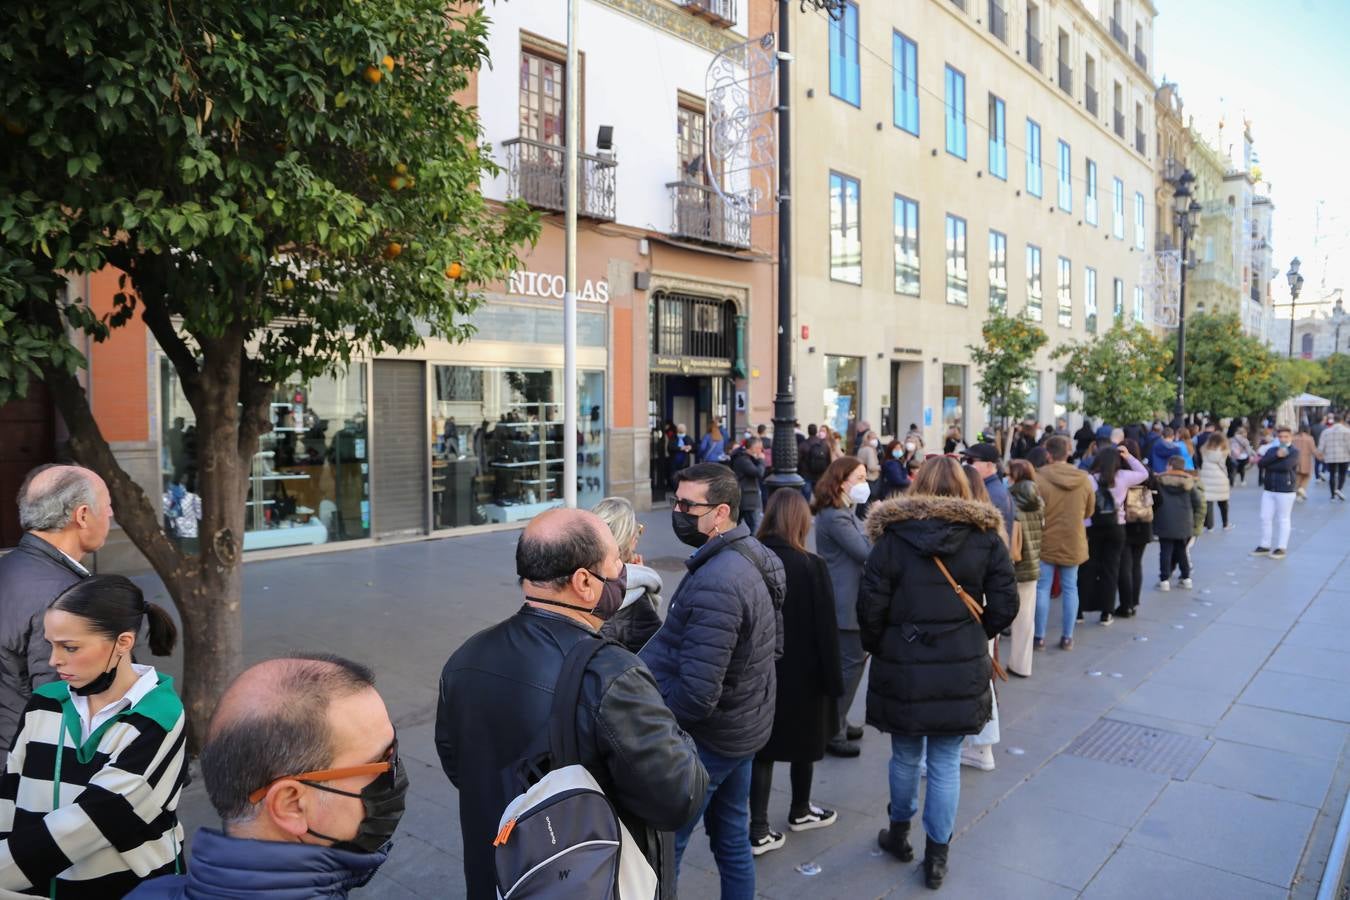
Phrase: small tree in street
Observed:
(1004, 362)
(283, 186)
(1120, 374)
(1229, 372)
(1336, 385)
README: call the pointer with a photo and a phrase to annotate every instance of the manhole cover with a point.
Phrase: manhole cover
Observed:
(1141, 747)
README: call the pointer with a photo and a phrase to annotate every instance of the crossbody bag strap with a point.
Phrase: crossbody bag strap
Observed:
(562, 722)
(976, 612)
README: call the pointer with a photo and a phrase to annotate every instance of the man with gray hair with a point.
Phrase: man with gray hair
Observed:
(65, 512)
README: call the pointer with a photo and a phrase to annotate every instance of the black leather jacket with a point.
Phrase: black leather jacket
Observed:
(495, 695)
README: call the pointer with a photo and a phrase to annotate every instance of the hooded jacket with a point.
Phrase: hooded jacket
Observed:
(1161, 451)
(930, 664)
(1070, 496)
(749, 474)
(1031, 513)
(230, 868)
(1179, 507)
(639, 617)
(714, 656)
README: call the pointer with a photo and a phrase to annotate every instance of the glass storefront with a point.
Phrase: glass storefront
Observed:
(308, 481)
(953, 396)
(497, 446)
(843, 392)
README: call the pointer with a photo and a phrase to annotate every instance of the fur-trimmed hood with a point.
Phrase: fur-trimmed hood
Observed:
(937, 522)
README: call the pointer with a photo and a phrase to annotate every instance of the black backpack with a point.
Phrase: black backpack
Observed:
(1104, 513)
(817, 458)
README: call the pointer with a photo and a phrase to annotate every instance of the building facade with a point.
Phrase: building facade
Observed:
(1214, 283)
(981, 156)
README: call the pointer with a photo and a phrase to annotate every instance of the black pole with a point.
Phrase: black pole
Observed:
(1181, 331)
(1293, 317)
(784, 402)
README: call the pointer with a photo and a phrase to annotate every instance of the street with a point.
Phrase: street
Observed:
(1243, 682)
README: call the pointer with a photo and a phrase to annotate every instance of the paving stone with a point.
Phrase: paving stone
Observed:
(1319, 635)
(1183, 704)
(1135, 872)
(1267, 773)
(1097, 790)
(1313, 662)
(1317, 697)
(1284, 731)
(1054, 845)
(1203, 674)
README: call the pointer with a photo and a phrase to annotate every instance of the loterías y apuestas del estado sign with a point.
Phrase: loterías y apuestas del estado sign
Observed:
(543, 284)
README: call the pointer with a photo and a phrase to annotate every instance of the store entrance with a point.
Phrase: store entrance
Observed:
(694, 401)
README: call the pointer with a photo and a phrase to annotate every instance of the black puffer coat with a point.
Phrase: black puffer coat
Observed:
(930, 662)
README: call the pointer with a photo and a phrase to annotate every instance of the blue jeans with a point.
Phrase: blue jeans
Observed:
(1068, 593)
(726, 817)
(944, 782)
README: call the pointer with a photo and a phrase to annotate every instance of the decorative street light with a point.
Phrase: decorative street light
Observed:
(1295, 288)
(1186, 214)
(1338, 316)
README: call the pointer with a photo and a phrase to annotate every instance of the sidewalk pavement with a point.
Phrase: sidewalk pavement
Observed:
(1197, 750)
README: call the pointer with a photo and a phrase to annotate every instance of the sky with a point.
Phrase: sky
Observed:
(1284, 65)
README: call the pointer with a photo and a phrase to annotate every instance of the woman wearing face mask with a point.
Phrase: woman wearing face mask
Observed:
(895, 469)
(638, 618)
(842, 544)
(92, 784)
(868, 455)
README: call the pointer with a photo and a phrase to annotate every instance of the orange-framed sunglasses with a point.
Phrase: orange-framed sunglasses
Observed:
(376, 768)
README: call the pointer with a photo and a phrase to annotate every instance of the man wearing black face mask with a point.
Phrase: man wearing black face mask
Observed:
(497, 691)
(301, 762)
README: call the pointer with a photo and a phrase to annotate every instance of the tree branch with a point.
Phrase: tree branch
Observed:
(156, 318)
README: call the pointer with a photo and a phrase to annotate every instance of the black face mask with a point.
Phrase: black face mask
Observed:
(611, 596)
(384, 799)
(101, 683)
(686, 528)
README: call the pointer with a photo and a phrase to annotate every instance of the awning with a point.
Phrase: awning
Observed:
(1306, 399)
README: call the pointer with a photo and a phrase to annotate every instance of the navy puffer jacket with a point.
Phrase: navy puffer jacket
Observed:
(714, 656)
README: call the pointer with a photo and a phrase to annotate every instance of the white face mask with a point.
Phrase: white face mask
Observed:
(910, 446)
(860, 493)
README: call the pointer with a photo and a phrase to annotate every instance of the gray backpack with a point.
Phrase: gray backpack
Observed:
(561, 837)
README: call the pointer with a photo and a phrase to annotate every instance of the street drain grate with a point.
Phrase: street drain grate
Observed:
(1141, 747)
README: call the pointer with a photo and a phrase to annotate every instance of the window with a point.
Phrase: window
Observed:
(1138, 221)
(905, 78)
(541, 98)
(1065, 178)
(1035, 184)
(998, 139)
(1118, 300)
(845, 229)
(958, 277)
(998, 270)
(689, 131)
(1090, 200)
(845, 79)
(1090, 300)
(1138, 303)
(956, 113)
(1118, 208)
(1034, 283)
(906, 246)
(1064, 294)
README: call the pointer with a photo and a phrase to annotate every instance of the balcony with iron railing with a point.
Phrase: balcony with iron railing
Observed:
(1033, 51)
(1141, 58)
(719, 12)
(1119, 34)
(1139, 142)
(1090, 98)
(536, 173)
(1120, 124)
(701, 214)
(1065, 78)
(998, 21)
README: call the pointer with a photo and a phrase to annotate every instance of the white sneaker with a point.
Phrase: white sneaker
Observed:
(979, 756)
(1228, 528)
(1164, 585)
(1185, 584)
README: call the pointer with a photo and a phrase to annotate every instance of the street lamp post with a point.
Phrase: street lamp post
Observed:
(1295, 288)
(1337, 318)
(1186, 213)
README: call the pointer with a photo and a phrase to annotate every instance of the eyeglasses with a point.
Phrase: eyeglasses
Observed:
(687, 505)
(392, 764)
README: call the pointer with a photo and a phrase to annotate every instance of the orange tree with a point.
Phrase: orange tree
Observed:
(1120, 373)
(283, 186)
(1229, 372)
(1004, 361)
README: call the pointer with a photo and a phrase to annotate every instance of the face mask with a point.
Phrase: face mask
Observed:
(874, 443)
(910, 447)
(101, 683)
(860, 493)
(686, 528)
(384, 800)
(897, 453)
(611, 596)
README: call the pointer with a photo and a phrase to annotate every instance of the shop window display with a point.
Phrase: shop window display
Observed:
(497, 454)
(309, 479)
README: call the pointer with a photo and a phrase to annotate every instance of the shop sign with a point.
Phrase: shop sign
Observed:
(691, 365)
(543, 284)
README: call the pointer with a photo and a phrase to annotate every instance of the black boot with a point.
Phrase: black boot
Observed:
(895, 841)
(934, 864)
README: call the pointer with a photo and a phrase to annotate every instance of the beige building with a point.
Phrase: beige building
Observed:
(1174, 150)
(951, 157)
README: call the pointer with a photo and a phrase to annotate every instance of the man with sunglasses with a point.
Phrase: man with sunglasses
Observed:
(714, 659)
(301, 763)
(497, 693)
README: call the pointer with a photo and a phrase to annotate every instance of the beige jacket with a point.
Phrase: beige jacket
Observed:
(1070, 497)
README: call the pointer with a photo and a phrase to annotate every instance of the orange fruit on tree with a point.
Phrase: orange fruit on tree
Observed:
(373, 74)
(401, 168)
(454, 270)
(388, 62)
(398, 183)
(392, 250)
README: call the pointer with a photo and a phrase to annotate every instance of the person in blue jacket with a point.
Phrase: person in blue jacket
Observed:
(894, 470)
(1164, 448)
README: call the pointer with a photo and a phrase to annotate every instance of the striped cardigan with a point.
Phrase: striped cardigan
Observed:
(115, 823)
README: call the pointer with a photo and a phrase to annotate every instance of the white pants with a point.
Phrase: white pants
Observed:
(1275, 511)
(1023, 628)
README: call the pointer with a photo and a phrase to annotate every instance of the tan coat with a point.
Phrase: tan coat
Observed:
(1070, 497)
(1307, 452)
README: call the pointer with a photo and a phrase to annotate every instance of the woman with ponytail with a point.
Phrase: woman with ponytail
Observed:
(90, 791)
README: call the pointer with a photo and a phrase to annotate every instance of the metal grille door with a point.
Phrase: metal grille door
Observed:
(400, 447)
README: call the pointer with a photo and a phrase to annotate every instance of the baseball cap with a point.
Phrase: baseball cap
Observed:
(1104, 433)
(981, 453)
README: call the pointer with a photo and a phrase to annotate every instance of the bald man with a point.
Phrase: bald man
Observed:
(65, 512)
(301, 763)
(497, 691)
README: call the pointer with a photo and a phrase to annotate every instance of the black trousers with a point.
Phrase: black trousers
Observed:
(1239, 471)
(1170, 555)
(1336, 476)
(1209, 512)
(1130, 582)
(761, 784)
(1098, 577)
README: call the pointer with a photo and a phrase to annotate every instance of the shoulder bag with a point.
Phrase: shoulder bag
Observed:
(976, 613)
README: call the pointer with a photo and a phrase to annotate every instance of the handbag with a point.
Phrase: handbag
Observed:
(976, 613)
(1018, 536)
